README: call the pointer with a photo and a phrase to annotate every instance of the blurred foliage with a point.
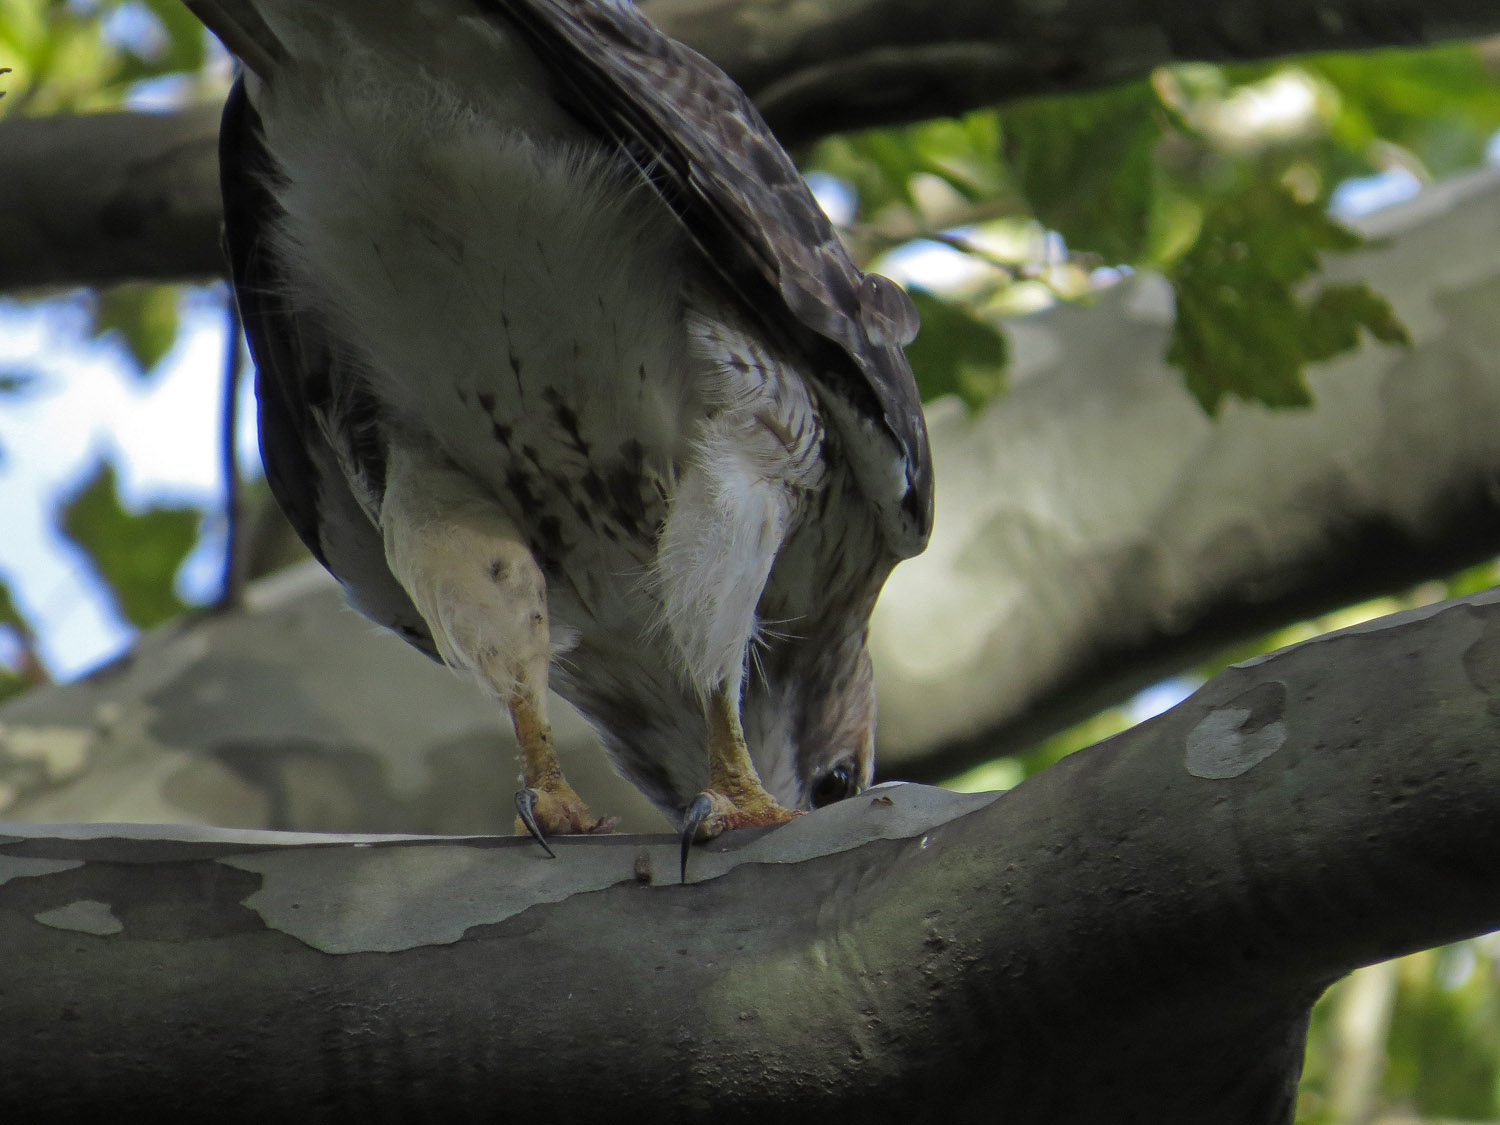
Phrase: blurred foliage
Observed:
(14, 382)
(1243, 326)
(142, 317)
(74, 56)
(16, 634)
(957, 352)
(1218, 177)
(136, 554)
(1414, 1040)
(70, 56)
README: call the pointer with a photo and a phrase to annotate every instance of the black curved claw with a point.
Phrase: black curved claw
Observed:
(692, 820)
(526, 810)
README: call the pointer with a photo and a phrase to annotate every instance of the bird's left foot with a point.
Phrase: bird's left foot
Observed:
(713, 812)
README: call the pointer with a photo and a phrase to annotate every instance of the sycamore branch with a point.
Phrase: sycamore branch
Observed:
(1136, 933)
(94, 200)
(836, 65)
(98, 199)
(1096, 532)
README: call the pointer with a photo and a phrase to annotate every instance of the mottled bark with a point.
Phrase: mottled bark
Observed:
(1134, 935)
(1096, 531)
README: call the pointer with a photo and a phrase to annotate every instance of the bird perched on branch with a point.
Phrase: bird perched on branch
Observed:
(560, 367)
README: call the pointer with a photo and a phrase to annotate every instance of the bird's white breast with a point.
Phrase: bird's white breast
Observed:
(512, 291)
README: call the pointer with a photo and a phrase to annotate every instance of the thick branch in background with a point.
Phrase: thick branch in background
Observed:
(104, 198)
(134, 196)
(836, 65)
(1095, 531)
(289, 712)
(1135, 934)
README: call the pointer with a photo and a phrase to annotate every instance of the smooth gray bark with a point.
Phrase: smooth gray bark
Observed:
(1133, 935)
(1096, 531)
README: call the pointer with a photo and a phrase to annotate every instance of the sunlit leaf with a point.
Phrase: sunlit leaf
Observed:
(75, 57)
(137, 555)
(883, 164)
(1441, 104)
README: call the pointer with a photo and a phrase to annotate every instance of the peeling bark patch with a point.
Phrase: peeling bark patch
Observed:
(1232, 739)
(393, 895)
(385, 899)
(23, 867)
(87, 916)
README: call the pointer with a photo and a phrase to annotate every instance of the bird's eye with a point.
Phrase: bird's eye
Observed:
(839, 782)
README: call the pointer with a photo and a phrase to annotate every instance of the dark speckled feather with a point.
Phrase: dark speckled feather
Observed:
(706, 149)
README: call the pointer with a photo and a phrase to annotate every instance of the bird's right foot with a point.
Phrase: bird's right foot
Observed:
(557, 811)
(713, 813)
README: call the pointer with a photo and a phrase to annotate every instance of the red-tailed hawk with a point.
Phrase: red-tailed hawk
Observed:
(562, 369)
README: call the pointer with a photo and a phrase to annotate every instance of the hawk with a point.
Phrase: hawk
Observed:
(563, 374)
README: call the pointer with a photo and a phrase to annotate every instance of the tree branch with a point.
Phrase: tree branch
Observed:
(104, 198)
(1135, 934)
(1096, 532)
(850, 64)
(100, 199)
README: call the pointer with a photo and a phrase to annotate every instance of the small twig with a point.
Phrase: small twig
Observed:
(229, 416)
(30, 668)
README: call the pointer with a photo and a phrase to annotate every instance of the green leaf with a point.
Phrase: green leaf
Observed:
(13, 681)
(1444, 1046)
(11, 684)
(10, 614)
(1242, 329)
(882, 164)
(956, 353)
(1442, 104)
(137, 556)
(1339, 311)
(186, 42)
(1085, 165)
(144, 316)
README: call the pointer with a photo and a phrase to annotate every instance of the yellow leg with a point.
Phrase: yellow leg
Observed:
(555, 806)
(735, 796)
(471, 576)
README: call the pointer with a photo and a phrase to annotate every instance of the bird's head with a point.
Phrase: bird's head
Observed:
(810, 722)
